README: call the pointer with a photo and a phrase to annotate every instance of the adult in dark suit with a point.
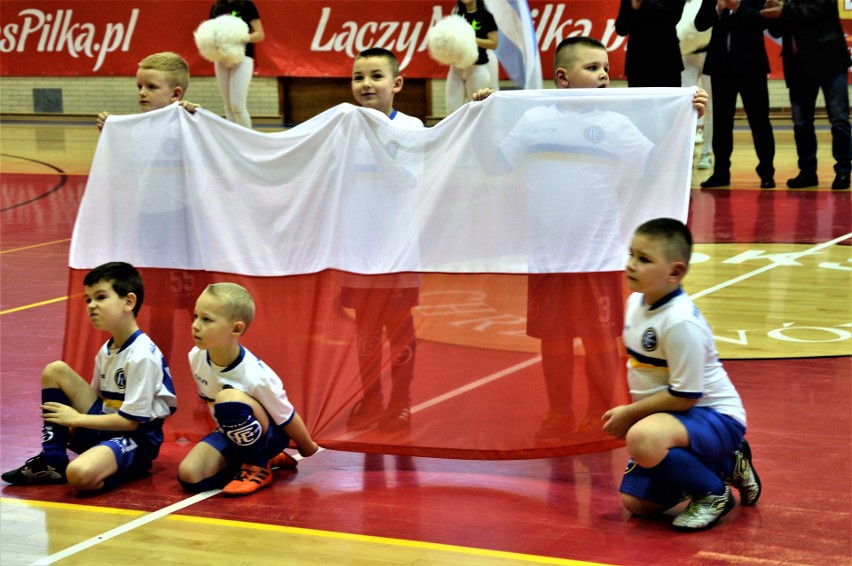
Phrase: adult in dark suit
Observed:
(815, 57)
(653, 53)
(737, 63)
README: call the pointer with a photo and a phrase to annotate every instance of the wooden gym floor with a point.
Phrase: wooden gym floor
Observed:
(772, 274)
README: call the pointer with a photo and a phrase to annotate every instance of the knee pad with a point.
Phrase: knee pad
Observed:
(238, 423)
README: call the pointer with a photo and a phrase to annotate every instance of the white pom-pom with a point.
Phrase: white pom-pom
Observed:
(223, 40)
(452, 41)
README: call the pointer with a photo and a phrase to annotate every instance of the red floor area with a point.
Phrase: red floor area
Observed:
(800, 430)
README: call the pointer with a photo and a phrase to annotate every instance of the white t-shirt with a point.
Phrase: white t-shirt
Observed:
(574, 162)
(134, 381)
(670, 347)
(379, 207)
(247, 374)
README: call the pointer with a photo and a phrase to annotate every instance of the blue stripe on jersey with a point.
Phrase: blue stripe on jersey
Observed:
(167, 381)
(666, 299)
(133, 417)
(127, 343)
(235, 363)
(393, 113)
(656, 362)
(686, 394)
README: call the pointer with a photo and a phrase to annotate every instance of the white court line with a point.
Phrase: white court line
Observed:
(474, 384)
(141, 521)
(144, 520)
(422, 406)
(772, 265)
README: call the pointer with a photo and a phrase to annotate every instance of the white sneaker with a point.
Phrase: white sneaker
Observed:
(705, 161)
(745, 477)
(699, 137)
(703, 512)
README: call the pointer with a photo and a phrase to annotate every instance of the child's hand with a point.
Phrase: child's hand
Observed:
(189, 106)
(772, 9)
(101, 120)
(617, 421)
(481, 94)
(310, 450)
(699, 101)
(58, 413)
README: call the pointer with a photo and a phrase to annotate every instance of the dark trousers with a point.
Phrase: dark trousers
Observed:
(755, 94)
(803, 97)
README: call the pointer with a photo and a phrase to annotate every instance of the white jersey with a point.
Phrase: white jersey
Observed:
(134, 381)
(588, 153)
(670, 347)
(380, 205)
(247, 374)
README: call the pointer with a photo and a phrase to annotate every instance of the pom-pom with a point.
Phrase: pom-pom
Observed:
(452, 41)
(223, 40)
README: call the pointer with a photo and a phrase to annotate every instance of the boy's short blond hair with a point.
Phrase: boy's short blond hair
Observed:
(173, 65)
(237, 301)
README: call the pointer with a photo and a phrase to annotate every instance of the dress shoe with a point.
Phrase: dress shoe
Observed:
(716, 180)
(767, 183)
(803, 180)
(841, 181)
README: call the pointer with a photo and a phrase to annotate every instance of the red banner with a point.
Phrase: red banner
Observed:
(304, 38)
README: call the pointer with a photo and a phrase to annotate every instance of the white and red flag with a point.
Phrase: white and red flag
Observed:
(461, 218)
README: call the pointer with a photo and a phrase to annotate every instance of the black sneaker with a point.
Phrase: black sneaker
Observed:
(36, 471)
(716, 180)
(745, 478)
(803, 180)
(396, 417)
(555, 426)
(364, 413)
(841, 182)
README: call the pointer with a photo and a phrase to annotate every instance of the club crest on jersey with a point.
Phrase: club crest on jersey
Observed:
(594, 134)
(246, 435)
(120, 378)
(392, 148)
(649, 340)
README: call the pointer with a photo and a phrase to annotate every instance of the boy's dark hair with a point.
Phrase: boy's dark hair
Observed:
(381, 52)
(124, 280)
(480, 8)
(565, 59)
(675, 235)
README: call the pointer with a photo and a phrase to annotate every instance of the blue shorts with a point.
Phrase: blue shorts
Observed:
(273, 441)
(133, 455)
(713, 438)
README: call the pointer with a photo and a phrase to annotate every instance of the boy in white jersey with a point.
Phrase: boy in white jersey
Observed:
(685, 426)
(256, 420)
(161, 79)
(382, 302)
(591, 149)
(115, 423)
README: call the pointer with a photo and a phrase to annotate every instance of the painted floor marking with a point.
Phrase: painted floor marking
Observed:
(422, 406)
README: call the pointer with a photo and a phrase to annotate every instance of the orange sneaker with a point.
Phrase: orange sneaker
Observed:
(250, 479)
(283, 461)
